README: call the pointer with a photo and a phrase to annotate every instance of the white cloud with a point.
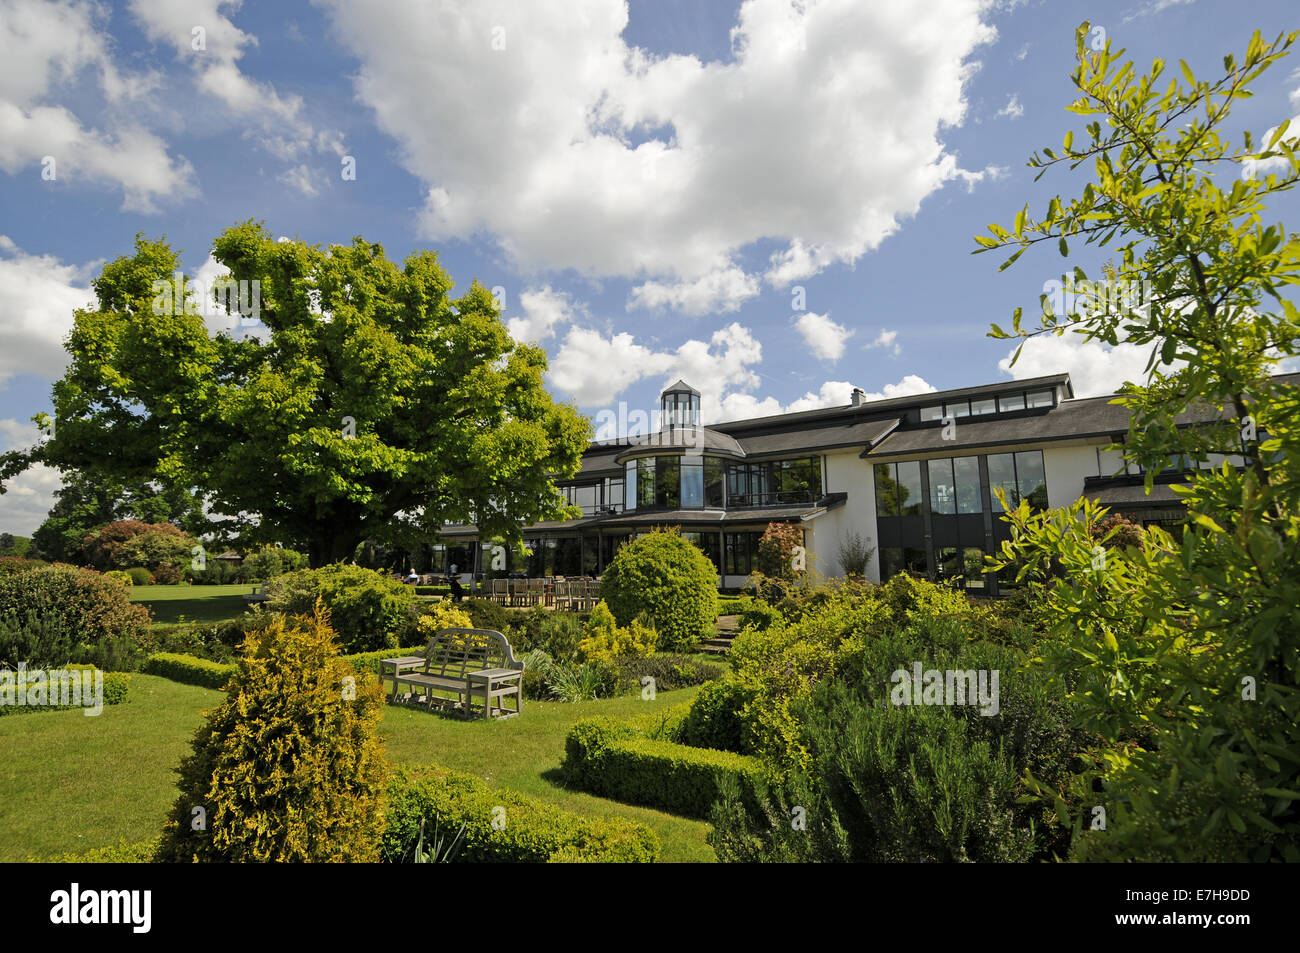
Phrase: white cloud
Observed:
(722, 290)
(1012, 109)
(38, 294)
(28, 497)
(1022, 53)
(823, 336)
(990, 172)
(595, 369)
(278, 119)
(544, 309)
(1278, 164)
(300, 177)
(684, 164)
(1095, 369)
(47, 43)
(888, 340)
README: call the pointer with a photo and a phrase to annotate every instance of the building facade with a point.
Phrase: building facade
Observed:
(915, 478)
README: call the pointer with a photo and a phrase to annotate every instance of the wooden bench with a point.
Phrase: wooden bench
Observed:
(258, 594)
(473, 663)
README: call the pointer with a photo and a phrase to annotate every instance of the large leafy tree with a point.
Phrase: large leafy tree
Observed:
(372, 400)
(1183, 653)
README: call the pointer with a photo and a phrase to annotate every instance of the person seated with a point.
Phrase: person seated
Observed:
(411, 577)
(457, 590)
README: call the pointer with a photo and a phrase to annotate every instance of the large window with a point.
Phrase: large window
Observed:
(955, 485)
(709, 543)
(630, 491)
(668, 490)
(715, 475)
(741, 553)
(898, 488)
(1020, 476)
(774, 483)
(645, 482)
(692, 481)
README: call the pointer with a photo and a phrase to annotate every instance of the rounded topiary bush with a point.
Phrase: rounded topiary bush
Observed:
(669, 580)
(55, 614)
(368, 610)
(289, 767)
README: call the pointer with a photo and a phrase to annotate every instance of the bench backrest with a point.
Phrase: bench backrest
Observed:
(453, 652)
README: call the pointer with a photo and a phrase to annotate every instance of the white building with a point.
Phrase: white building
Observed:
(914, 477)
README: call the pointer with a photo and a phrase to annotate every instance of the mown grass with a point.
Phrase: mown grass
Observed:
(194, 603)
(71, 783)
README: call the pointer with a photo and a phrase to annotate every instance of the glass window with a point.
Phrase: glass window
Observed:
(692, 481)
(973, 567)
(614, 494)
(741, 555)
(914, 561)
(984, 405)
(587, 497)
(1011, 402)
(886, 490)
(943, 491)
(932, 413)
(909, 487)
(967, 473)
(1002, 476)
(959, 408)
(645, 482)
(630, 492)
(1039, 398)
(1031, 481)
(949, 565)
(714, 480)
(891, 562)
(708, 543)
(668, 482)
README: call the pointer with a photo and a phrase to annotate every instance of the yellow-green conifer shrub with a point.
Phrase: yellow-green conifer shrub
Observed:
(605, 640)
(289, 767)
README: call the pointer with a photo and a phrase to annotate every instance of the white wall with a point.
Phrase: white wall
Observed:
(846, 472)
(1065, 467)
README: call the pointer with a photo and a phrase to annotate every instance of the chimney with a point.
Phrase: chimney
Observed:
(858, 397)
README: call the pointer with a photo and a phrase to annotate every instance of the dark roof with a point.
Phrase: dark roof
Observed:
(697, 439)
(847, 432)
(1089, 417)
(1071, 419)
(893, 404)
(680, 387)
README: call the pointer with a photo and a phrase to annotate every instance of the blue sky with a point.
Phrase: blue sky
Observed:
(647, 182)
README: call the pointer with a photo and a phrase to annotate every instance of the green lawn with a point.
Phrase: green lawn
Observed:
(72, 783)
(195, 603)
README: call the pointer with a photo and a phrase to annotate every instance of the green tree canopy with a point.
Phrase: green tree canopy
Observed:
(371, 401)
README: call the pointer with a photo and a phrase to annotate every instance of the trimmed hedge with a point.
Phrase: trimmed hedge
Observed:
(525, 830)
(117, 686)
(616, 760)
(369, 661)
(199, 671)
(188, 669)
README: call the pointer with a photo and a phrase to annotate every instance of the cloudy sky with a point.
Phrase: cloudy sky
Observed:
(774, 201)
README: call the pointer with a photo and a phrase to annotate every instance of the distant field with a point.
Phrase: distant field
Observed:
(195, 603)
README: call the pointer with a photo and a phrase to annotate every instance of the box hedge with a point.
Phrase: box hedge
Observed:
(198, 671)
(619, 760)
(502, 826)
(117, 687)
(188, 669)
